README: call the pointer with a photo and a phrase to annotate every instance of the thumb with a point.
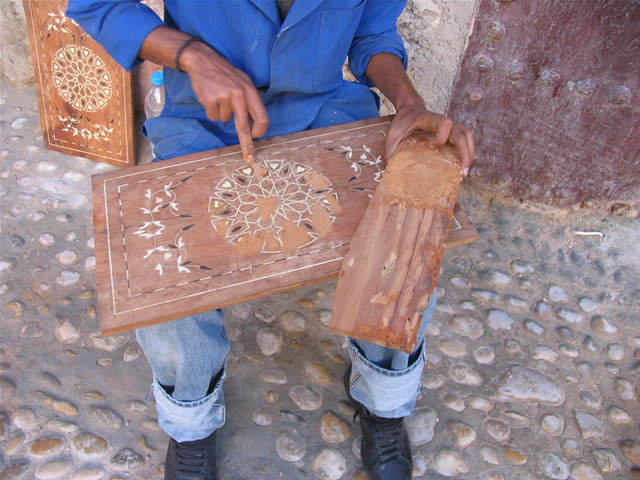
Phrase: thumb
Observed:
(390, 144)
(397, 132)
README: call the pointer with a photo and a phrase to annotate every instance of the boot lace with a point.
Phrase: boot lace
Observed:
(191, 459)
(386, 435)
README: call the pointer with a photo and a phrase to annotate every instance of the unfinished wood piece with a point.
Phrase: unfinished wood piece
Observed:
(394, 258)
(199, 232)
(84, 96)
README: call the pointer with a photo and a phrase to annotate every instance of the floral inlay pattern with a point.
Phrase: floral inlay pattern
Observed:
(81, 78)
(165, 255)
(95, 131)
(58, 23)
(291, 189)
(364, 158)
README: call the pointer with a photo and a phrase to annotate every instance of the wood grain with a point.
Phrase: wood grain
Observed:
(84, 96)
(199, 232)
(394, 257)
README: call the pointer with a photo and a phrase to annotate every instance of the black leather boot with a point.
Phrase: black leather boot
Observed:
(194, 460)
(385, 449)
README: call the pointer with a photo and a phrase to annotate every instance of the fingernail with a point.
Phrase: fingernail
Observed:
(466, 172)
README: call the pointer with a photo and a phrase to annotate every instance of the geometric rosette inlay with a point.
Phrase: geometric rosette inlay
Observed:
(81, 78)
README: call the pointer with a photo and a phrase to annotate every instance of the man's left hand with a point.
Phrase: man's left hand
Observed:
(412, 117)
(386, 71)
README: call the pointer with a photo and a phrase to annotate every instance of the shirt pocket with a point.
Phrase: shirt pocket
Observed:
(337, 28)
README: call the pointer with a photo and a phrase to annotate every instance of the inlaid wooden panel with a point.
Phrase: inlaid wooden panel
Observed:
(393, 261)
(84, 96)
(198, 232)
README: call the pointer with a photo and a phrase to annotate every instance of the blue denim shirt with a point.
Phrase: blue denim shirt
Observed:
(296, 64)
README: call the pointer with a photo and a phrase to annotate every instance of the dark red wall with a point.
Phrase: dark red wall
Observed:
(552, 89)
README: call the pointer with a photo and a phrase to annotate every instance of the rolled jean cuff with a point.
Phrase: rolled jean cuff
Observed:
(386, 393)
(192, 420)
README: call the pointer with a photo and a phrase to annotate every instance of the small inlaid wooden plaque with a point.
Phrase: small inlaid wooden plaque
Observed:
(199, 232)
(84, 96)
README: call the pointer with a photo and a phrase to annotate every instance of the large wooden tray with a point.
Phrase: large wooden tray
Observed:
(84, 96)
(199, 232)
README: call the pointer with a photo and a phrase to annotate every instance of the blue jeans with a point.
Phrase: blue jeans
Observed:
(186, 354)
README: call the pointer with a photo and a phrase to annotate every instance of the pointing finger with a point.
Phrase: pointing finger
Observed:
(258, 113)
(243, 129)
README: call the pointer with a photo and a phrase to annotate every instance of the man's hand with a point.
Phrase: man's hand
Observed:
(412, 117)
(222, 89)
(386, 71)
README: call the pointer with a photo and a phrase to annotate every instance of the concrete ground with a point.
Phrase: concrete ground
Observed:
(533, 354)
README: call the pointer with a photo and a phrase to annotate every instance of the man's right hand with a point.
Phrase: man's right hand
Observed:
(222, 89)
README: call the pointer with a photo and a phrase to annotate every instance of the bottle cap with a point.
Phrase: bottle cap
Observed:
(157, 79)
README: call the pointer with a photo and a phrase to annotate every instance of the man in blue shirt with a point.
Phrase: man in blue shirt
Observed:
(239, 69)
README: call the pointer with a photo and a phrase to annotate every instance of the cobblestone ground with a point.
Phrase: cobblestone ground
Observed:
(533, 363)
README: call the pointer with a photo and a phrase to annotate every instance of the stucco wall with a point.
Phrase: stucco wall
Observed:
(435, 34)
(15, 60)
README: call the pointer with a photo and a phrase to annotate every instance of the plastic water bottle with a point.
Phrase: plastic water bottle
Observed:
(154, 101)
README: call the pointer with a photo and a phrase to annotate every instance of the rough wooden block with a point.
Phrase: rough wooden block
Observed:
(84, 96)
(394, 258)
(199, 232)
